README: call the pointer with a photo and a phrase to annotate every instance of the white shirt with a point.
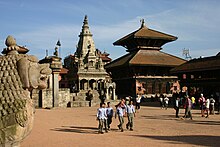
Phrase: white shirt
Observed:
(120, 111)
(166, 99)
(138, 99)
(109, 111)
(101, 114)
(177, 103)
(212, 101)
(130, 109)
(207, 103)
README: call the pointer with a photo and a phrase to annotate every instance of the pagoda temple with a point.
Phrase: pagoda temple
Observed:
(145, 69)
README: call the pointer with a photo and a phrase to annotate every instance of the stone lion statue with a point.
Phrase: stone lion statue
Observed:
(19, 75)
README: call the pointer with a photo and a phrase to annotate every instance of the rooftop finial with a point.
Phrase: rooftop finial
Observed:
(142, 23)
(58, 43)
(86, 20)
(46, 53)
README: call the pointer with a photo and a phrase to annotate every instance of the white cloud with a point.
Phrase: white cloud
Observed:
(45, 37)
(192, 25)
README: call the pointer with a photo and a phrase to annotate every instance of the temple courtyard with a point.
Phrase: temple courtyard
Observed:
(153, 126)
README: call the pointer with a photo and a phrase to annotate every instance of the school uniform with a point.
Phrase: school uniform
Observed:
(130, 110)
(109, 112)
(101, 116)
(120, 113)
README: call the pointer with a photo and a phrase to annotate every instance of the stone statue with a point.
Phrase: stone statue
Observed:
(19, 74)
(56, 52)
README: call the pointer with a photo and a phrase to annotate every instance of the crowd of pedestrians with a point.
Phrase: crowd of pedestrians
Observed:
(206, 105)
(125, 108)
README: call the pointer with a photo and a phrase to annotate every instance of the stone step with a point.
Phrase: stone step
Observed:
(79, 104)
(83, 103)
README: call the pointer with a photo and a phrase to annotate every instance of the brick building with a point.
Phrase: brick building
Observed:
(200, 75)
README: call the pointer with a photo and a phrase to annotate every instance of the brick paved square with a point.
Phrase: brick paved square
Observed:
(152, 127)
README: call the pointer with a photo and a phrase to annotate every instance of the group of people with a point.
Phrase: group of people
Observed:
(124, 108)
(205, 104)
(104, 116)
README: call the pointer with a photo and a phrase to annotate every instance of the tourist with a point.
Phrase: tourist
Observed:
(161, 101)
(193, 102)
(177, 106)
(207, 104)
(109, 112)
(138, 102)
(202, 104)
(101, 116)
(212, 105)
(188, 106)
(166, 102)
(120, 112)
(130, 111)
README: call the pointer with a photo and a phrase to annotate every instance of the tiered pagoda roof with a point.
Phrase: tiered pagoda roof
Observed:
(144, 38)
(144, 47)
(146, 58)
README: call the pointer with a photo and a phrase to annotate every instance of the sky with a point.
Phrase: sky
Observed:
(38, 24)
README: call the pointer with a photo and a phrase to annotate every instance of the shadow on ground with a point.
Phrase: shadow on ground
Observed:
(204, 122)
(161, 117)
(201, 140)
(172, 117)
(78, 129)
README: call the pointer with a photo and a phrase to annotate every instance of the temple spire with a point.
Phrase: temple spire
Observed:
(85, 27)
(86, 47)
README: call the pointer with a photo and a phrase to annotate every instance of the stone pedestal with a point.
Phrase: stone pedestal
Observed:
(55, 65)
(55, 89)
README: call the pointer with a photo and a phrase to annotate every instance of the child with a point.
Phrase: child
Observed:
(207, 103)
(161, 101)
(120, 113)
(109, 112)
(193, 102)
(212, 105)
(130, 114)
(138, 102)
(101, 116)
(166, 101)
